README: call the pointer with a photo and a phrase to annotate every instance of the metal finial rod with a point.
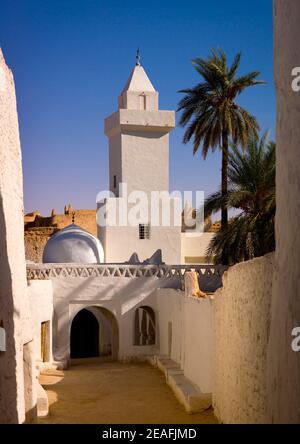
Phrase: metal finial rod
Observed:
(138, 57)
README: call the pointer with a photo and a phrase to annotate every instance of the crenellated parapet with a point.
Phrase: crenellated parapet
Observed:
(210, 276)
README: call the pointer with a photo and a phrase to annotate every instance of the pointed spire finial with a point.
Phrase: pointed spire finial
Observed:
(138, 57)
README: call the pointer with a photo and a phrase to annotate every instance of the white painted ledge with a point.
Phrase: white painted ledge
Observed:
(187, 393)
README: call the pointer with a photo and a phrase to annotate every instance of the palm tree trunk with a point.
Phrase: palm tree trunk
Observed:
(224, 211)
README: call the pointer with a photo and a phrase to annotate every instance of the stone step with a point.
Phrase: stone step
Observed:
(187, 393)
(42, 402)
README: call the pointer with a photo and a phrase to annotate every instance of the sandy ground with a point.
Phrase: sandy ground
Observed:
(97, 391)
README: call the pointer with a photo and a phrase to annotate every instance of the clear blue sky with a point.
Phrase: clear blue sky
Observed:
(71, 59)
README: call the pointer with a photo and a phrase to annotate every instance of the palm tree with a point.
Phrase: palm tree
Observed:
(212, 113)
(251, 190)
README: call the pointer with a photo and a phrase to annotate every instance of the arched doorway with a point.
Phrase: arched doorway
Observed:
(84, 335)
(94, 332)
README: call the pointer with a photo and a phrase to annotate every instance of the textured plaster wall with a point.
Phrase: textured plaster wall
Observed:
(14, 305)
(83, 218)
(29, 382)
(241, 326)
(35, 241)
(39, 231)
(284, 364)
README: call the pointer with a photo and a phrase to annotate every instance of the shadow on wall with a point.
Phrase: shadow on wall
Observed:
(8, 359)
(11, 374)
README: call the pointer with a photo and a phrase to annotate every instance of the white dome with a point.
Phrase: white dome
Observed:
(73, 244)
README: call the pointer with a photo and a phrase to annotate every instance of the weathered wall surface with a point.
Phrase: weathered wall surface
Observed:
(284, 364)
(35, 241)
(39, 229)
(14, 307)
(83, 218)
(241, 323)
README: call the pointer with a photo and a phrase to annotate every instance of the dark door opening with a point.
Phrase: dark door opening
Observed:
(84, 335)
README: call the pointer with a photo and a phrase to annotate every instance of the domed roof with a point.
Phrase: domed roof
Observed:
(73, 244)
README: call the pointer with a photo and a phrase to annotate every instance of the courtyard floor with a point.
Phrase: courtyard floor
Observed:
(101, 391)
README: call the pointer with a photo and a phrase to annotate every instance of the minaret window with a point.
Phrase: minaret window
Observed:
(115, 181)
(144, 231)
(143, 101)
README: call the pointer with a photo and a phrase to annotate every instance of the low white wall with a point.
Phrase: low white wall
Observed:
(198, 342)
(241, 323)
(170, 305)
(40, 294)
(189, 340)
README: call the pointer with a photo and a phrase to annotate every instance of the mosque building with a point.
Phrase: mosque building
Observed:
(138, 135)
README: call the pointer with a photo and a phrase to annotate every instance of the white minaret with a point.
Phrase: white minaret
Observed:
(138, 136)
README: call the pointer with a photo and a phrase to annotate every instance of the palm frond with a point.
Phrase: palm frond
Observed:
(251, 190)
(216, 95)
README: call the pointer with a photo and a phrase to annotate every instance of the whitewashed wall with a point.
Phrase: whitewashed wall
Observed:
(120, 242)
(190, 342)
(40, 294)
(17, 391)
(120, 296)
(183, 324)
(198, 342)
(170, 304)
